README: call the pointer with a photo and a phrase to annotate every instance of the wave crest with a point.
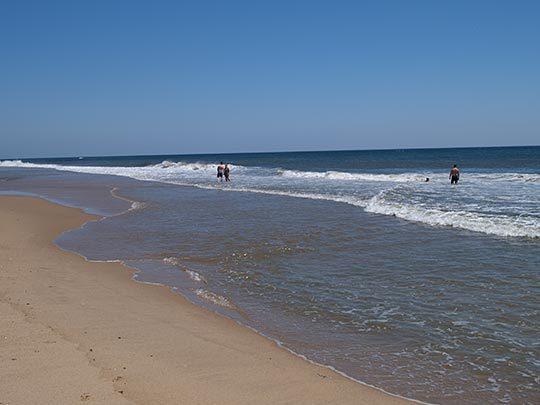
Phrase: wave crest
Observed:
(472, 221)
(167, 164)
(347, 176)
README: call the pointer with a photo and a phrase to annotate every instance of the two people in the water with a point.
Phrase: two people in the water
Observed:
(223, 172)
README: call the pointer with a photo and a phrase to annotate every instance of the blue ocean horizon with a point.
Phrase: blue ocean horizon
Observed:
(269, 154)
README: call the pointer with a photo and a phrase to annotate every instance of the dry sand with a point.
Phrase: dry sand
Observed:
(73, 331)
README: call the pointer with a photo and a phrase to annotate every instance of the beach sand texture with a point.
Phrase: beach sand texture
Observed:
(74, 331)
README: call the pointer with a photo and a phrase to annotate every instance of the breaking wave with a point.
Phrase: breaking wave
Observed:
(345, 176)
(473, 221)
(166, 164)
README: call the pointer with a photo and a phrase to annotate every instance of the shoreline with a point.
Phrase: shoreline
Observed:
(170, 351)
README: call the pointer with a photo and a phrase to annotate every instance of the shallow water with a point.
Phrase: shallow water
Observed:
(433, 312)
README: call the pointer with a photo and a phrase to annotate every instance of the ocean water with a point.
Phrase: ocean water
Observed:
(349, 258)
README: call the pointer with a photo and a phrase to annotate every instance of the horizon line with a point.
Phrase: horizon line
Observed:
(275, 152)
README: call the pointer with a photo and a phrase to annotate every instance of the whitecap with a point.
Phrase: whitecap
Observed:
(473, 221)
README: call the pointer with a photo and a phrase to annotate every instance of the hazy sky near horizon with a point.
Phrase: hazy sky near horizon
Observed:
(132, 77)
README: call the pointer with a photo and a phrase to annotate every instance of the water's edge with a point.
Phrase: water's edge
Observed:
(134, 271)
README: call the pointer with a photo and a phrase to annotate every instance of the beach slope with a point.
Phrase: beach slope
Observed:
(74, 331)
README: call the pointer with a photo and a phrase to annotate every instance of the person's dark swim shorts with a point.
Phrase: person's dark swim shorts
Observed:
(454, 180)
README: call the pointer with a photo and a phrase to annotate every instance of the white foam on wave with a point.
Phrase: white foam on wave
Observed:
(173, 261)
(346, 176)
(13, 163)
(472, 221)
(166, 164)
(214, 298)
(185, 166)
(489, 224)
(310, 196)
(165, 171)
(196, 276)
(408, 177)
(152, 172)
(137, 205)
(508, 177)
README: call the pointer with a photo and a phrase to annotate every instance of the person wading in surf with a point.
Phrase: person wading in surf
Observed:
(226, 172)
(220, 170)
(454, 175)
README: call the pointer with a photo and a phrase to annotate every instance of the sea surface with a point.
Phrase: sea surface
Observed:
(351, 258)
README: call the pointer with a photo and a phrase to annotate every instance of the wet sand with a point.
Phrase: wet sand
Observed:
(75, 331)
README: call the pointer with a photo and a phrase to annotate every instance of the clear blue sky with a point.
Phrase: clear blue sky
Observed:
(128, 77)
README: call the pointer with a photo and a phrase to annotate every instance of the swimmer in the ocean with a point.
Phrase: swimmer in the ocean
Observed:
(226, 172)
(220, 170)
(454, 175)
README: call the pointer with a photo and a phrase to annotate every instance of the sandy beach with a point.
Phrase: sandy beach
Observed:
(74, 331)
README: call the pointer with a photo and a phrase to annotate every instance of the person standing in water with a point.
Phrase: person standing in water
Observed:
(454, 175)
(220, 170)
(226, 172)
